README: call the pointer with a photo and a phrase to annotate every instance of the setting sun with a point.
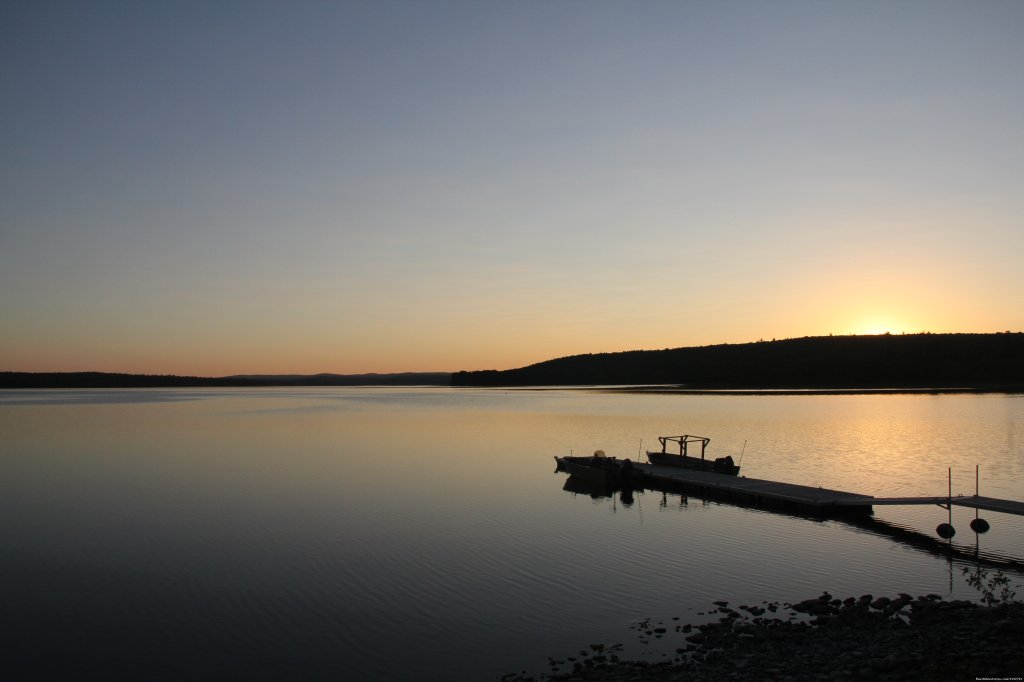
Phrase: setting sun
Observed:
(866, 322)
(870, 328)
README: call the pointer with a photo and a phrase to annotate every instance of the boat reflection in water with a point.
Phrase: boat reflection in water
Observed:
(598, 490)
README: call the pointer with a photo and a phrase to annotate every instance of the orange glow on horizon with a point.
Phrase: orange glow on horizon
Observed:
(874, 327)
(436, 356)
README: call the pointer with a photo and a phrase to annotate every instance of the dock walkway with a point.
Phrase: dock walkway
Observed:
(973, 501)
(808, 498)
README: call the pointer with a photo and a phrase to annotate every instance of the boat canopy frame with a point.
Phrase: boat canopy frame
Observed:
(684, 443)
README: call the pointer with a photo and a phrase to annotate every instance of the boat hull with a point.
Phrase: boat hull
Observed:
(721, 465)
(605, 471)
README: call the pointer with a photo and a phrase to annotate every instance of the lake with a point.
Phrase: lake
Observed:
(422, 533)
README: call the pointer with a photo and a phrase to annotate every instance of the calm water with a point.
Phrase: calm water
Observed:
(421, 534)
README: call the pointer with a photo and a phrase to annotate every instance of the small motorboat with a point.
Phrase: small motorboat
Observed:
(684, 458)
(598, 469)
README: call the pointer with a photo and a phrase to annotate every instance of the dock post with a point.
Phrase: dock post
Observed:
(949, 496)
(946, 530)
(978, 525)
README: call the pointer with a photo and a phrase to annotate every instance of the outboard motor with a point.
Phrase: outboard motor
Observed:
(724, 465)
(626, 471)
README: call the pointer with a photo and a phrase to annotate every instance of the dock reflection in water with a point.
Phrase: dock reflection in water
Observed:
(905, 535)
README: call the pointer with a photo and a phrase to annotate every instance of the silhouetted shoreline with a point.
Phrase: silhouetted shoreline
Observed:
(886, 363)
(937, 362)
(114, 380)
(101, 380)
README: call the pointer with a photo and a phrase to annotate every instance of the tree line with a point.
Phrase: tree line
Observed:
(116, 380)
(876, 361)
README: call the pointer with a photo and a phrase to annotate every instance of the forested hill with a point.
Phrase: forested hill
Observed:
(884, 361)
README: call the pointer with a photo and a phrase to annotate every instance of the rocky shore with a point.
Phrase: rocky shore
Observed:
(824, 638)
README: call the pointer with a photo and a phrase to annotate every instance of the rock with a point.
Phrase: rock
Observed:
(957, 640)
(815, 607)
(806, 605)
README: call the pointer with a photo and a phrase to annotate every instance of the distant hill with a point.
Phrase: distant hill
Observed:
(372, 379)
(882, 361)
(111, 380)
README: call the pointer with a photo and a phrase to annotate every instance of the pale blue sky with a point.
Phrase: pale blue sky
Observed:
(221, 187)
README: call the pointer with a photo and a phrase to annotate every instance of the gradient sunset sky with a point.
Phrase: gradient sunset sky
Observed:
(274, 187)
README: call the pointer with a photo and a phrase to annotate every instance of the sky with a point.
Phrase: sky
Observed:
(229, 187)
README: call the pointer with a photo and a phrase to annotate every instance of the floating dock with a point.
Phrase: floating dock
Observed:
(973, 501)
(800, 497)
